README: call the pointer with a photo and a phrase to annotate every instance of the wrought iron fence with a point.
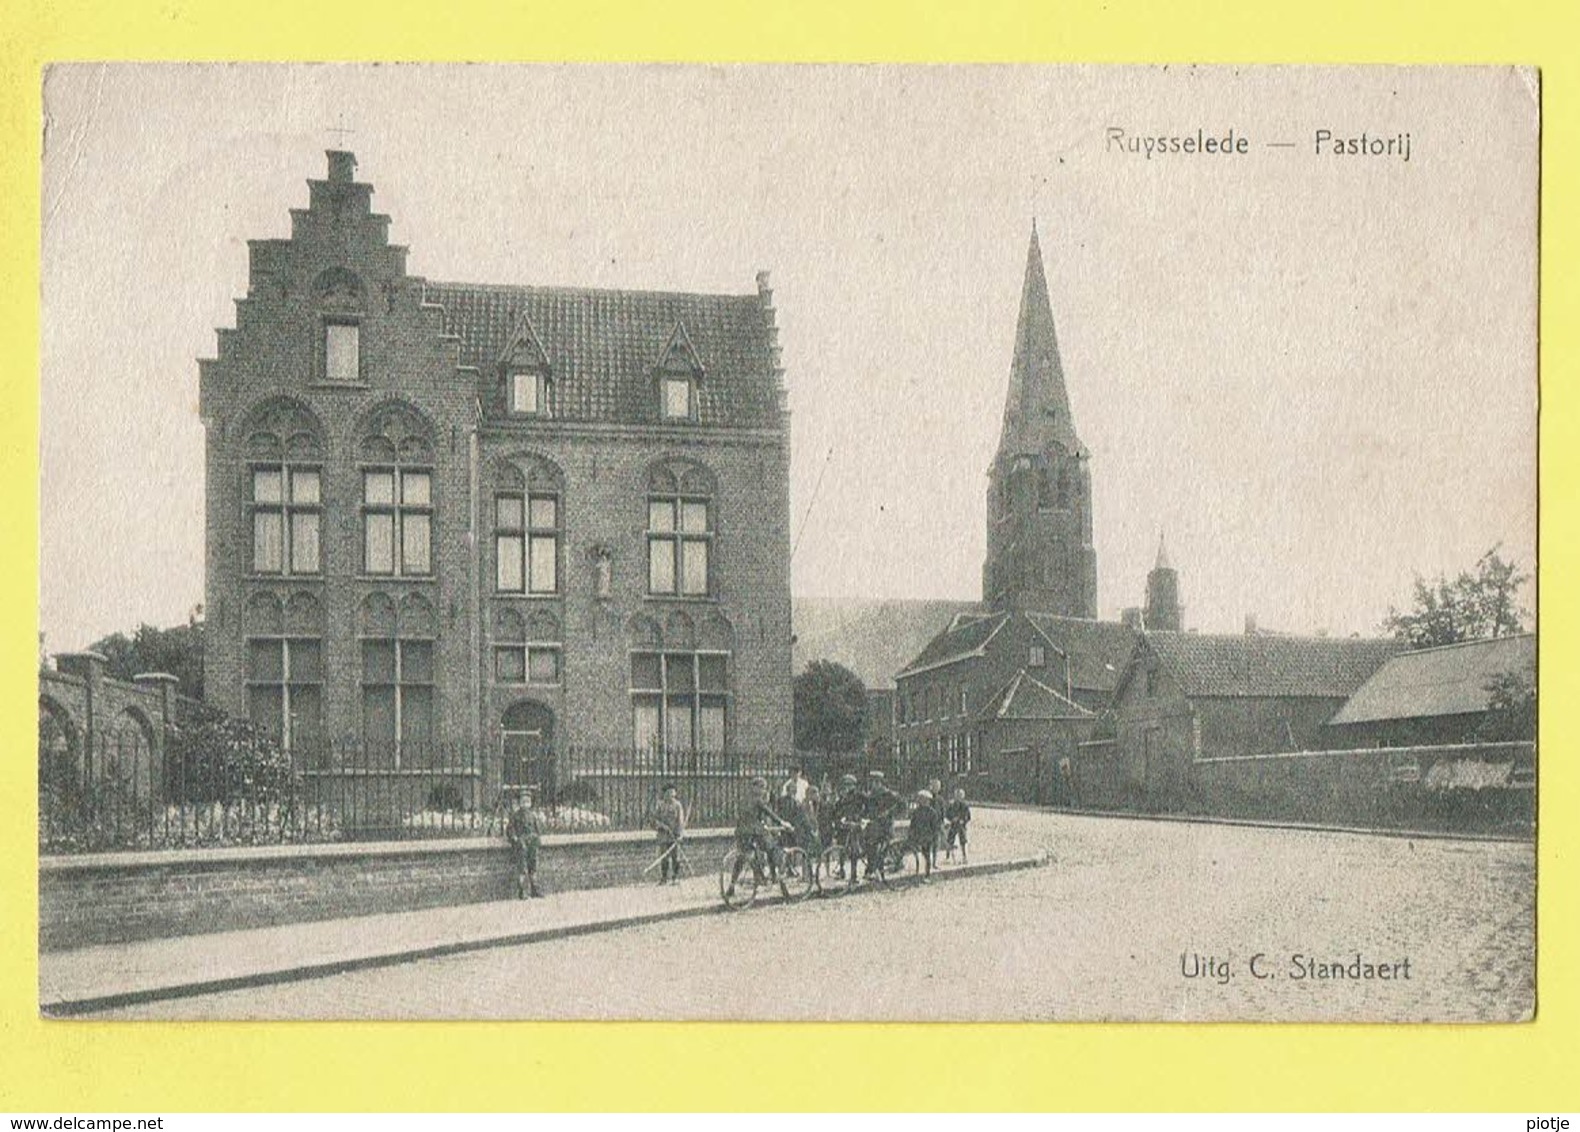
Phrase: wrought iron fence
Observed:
(122, 795)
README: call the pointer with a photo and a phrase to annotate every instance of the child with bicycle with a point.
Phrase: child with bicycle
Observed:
(753, 841)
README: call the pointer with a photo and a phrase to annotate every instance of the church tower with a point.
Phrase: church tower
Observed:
(1163, 594)
(1039, 534)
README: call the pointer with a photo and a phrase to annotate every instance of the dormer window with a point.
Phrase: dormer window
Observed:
(1038, 658)
(676, 377)
(531, 393)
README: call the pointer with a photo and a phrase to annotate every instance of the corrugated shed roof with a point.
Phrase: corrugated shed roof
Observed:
(1026, 697)
(1098, 650)
(1256, 665)
(965, 637)
(603, 347)
(1451, 680)
(874, 639)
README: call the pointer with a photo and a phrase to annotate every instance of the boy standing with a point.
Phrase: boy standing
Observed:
(524, 832)
(956, 817)
(923, 836)
(669, 818)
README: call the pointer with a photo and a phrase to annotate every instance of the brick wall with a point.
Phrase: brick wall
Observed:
(117, 898)
(1427, 788)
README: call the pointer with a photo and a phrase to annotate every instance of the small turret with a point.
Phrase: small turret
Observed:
(1163, 593)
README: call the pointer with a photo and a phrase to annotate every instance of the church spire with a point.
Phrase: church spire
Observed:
(1163, 555)
(1039, 538)
(1037, 410)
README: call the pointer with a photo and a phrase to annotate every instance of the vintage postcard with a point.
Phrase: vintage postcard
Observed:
(549, 542)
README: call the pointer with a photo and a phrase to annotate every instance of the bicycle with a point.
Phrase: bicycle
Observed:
(787, 865)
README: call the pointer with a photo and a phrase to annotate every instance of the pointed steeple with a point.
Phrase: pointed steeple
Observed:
(1163, 594)
(1037, 410)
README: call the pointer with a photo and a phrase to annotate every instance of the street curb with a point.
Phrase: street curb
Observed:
(70, 1007)
(1260, 823)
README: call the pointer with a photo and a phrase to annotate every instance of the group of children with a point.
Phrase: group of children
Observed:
(858, 818)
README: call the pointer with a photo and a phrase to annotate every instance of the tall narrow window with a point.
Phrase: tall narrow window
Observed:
(285, 681)
(397, 701)
(286, 510)
(679, 544)
(342, 351)
(397, 521)
(527, 542)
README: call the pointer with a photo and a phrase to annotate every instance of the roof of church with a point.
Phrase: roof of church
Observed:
(1258, 665)
(873, 638)
(1026, 697)
(603, 347)
(1037, 409)
(1449, 680)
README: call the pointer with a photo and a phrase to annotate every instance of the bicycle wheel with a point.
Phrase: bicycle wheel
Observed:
(738, 896)
(832, 879)
(797, 874)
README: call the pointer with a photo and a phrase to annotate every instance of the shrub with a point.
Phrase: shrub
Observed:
(214, 758)
(578, 792)
(446, 796)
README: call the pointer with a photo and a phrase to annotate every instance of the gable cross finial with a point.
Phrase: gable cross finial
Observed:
(341, 130)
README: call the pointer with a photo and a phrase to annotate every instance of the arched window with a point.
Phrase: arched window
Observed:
(396, 452)
(285, 668)
(679, 693)
(398, 679)
(680, 528)
(527, 650)
(527, 527)
(284, 491)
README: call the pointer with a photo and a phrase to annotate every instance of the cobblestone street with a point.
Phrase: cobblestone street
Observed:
(1111, 930)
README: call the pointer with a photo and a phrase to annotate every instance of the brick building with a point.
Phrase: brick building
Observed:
(1435, 695)
(1005, 692)
(447, 518)
(1188, 696)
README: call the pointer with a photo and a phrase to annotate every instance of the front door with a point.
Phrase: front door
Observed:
(526, 741)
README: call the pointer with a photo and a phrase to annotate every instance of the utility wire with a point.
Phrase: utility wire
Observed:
(807, 514)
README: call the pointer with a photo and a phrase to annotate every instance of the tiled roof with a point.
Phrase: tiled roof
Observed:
(1259, 665)
(1451, 680)
(603, 347)
(1026, 697)
(1098, 650)
(874, 639)
(964, 638)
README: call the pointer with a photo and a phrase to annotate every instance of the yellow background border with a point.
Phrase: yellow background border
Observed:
(83, 1066)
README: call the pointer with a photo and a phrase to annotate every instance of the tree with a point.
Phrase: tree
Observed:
(830, 708)
(1476, 604)
(1511, 707)
(177, 651)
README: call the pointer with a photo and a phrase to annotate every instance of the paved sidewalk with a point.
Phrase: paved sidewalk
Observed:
(98, 978)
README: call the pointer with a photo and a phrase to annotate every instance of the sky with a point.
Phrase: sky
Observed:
(1314, 373)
